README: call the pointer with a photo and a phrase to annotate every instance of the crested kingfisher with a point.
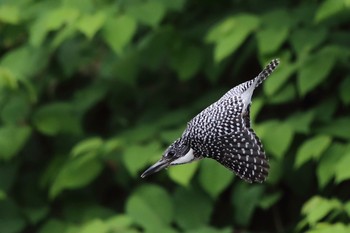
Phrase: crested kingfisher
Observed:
(223, 132)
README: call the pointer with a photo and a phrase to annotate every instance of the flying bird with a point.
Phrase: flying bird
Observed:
(223, 132)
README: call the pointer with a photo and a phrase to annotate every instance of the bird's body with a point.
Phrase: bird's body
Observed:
(222, 132)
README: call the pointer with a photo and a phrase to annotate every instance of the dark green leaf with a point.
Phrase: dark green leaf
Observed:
(245, 198)
(344, 90)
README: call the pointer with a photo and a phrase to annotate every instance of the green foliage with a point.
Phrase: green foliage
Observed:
(92, 92)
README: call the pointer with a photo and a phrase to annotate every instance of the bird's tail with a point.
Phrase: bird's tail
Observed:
(266, 72)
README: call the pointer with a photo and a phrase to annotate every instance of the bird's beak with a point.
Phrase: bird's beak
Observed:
(162, 163)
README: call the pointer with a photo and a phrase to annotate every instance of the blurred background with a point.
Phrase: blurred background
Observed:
(93, 91)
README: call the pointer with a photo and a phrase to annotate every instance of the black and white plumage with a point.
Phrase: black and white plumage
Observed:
(222, 132)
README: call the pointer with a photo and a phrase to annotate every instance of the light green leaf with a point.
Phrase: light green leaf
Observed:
(347, 208)
(213, 177)
(245, 198)
(119, 222)
(12, 139)
(276, 136)
(7, 79)
(342, 171)
(325, 227)
(87, 145)
(90, 24)
(229, 34)
(119, 31)
(183, 174)
(326, 168)
(24, 62)
(312, 149)
(147, 12)
(190, 201)
(331, 8)
(344, 90)
(56, 118)
(10, 14)
(76, 173)
(271, 38)
(94, 226)
(310, 75)
(151, 207)
(317, 208)
(51, 20)
(136, 157)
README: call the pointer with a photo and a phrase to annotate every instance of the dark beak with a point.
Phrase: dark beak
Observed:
(162, 163)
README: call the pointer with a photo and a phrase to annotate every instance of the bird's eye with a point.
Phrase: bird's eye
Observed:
(171, 153)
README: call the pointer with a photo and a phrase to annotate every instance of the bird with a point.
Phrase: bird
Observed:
(223, 132)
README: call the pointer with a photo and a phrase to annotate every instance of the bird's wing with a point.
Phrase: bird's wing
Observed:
(237, 147)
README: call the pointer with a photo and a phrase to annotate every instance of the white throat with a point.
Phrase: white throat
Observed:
(189, 157)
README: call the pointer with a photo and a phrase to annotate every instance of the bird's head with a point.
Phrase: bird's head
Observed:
(177, 153)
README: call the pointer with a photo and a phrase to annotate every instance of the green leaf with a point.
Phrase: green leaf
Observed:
(12, 220)
(51, 20)
(147, 12)
(317, 208)
(190, 201)
(24, 62)
(90, 24)
(329, 227)
(118, 32)
(53, 226)
(76, 173)
(331, 8)
(183, 174)
(151, 207)
(36, 214)
(213, 177)
(12, 139)
(312, 149)
(94, 226)
(10, 14)
(119, 222)
(136, 157)
(301, 121)
(269, 200)
(209, 230)
(271, 38)
(326, 168)
(229, 34)
(310, 75)
(286, 94)
(304, 40)
(342, 171)
(186, 62)
(56, 118)
(337, 128)
(245, 198)
(276, 136)
(347, 208)
(87, 145)
(344, 88)
(16, 109)
(278, 79)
